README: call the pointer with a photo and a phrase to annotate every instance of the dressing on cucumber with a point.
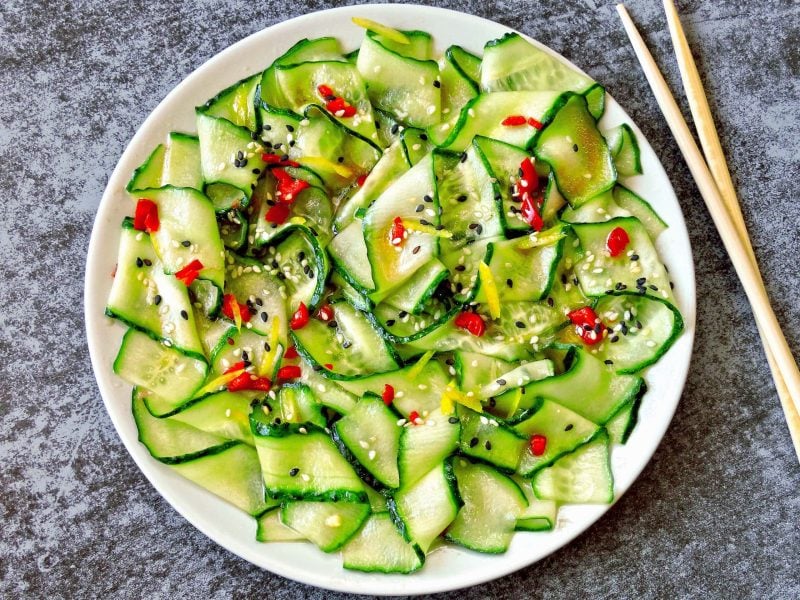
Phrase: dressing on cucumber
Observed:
(384, 300)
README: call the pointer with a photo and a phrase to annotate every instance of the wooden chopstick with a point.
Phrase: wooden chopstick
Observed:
(742, 259)
(715, 158)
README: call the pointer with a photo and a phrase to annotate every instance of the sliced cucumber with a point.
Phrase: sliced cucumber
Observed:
(167, 373)
(492, 505)
(540, 515)
(224, 414)
(564, 430)
(237, 103)
(253, 286)
(582, 477)
(425, 445)
(520, 376)
(182, 162)
(348, 252)
(641, 209)
(371, 434)
(269, 528)
(379, 547)
(328, 525)
(490, 440)
(414, 295)
(303, 466)
(148, 174)
(425, 509)
(456, 85)
(625, 150)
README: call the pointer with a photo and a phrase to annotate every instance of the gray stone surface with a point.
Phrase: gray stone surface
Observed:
(714, 514)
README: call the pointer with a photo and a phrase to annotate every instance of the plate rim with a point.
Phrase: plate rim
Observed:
(342, 580)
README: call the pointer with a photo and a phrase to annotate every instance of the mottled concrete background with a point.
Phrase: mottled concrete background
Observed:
(715, 513)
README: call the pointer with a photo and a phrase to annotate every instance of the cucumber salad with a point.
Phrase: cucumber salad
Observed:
(386, 300)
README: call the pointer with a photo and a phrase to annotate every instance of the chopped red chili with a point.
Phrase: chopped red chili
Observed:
(289, 372)
(278, 213)
(360, 181)
(617, 241)
(328, 366)
(534, 123)
(587, 325)
(235, 367)
(275, 159)
(538, 444)
(190, 272)
(146, 216)
(300, 317)
(413, 416)
(290, 353)
(471, 322)
(532, 199)
(388, 394)
(228, 303)
(325, 312)
(340, 107)
(398, 232)
(514, 121)
(325, 91)
(248, 381)
(288, 187)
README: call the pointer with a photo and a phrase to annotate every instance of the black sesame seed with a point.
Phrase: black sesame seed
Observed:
(574, 147)
(157, 299)
(284, 157)
(310, 273)
(402, 314)
(184, 315)
(346, 344)
(452, 420)
(147, 262)
(264, 317)
(245, 356)
(256, 171)
(463, 157)
(289, 128)
(671, 285)
(462, 198)
(423, 137)
(278, 422)
(608, 362)
(520, 324)
(427, 198)
(634, 257)
(449, 361)
(568, 427)
(551, 302)
(479, 229)
(306, 269)
(473, 442)
(461, 268)
(420, 208)
(613, 339)
(340, 159)
(598, 328)
(139, 262)
(259, 302)
(473, 225)
(424, 222)
(395, 128)
(623, 327)
(416, 249)
(280, 275)
(492, 402)
(621, 286)
(563, 278)
(653, 287)
(501, 382)
(437, 83)
(291, 144)
(240, 155)
(641, 281)
(459, 287)
(510, 282)
(608, 292)
(439, 227)
(333, 324)
(267, 347)
(266, 127)
(639, 325)
(377, 124)
(390, 322)
(254, 136)
(293, 472)
(186, 243)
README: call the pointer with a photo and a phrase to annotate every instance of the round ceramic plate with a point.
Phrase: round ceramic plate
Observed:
(448, 567)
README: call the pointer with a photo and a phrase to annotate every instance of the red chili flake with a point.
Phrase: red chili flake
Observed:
(361, 179)
(275, 159)
(230, 341)
(300, 317)
(587, 325)
(388, 394)
(513, 121)
(340, 107)
(532, 199)
(397, 233)
(288, 187)
(289, 372)
(538, 444)
(290, 353)
(325, 91)
(534, 123)
(471, 322)
(413, 416)
(228, 302)
(277, 213)
(328, 366)
(617, 241)
(235, 367)
(146, 216)
(248, 381)
(190, 272)
(325, 312)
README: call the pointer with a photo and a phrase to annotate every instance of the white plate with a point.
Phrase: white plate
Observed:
(447, 568)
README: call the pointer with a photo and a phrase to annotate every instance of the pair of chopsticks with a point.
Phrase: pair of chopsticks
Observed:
(714, 182)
